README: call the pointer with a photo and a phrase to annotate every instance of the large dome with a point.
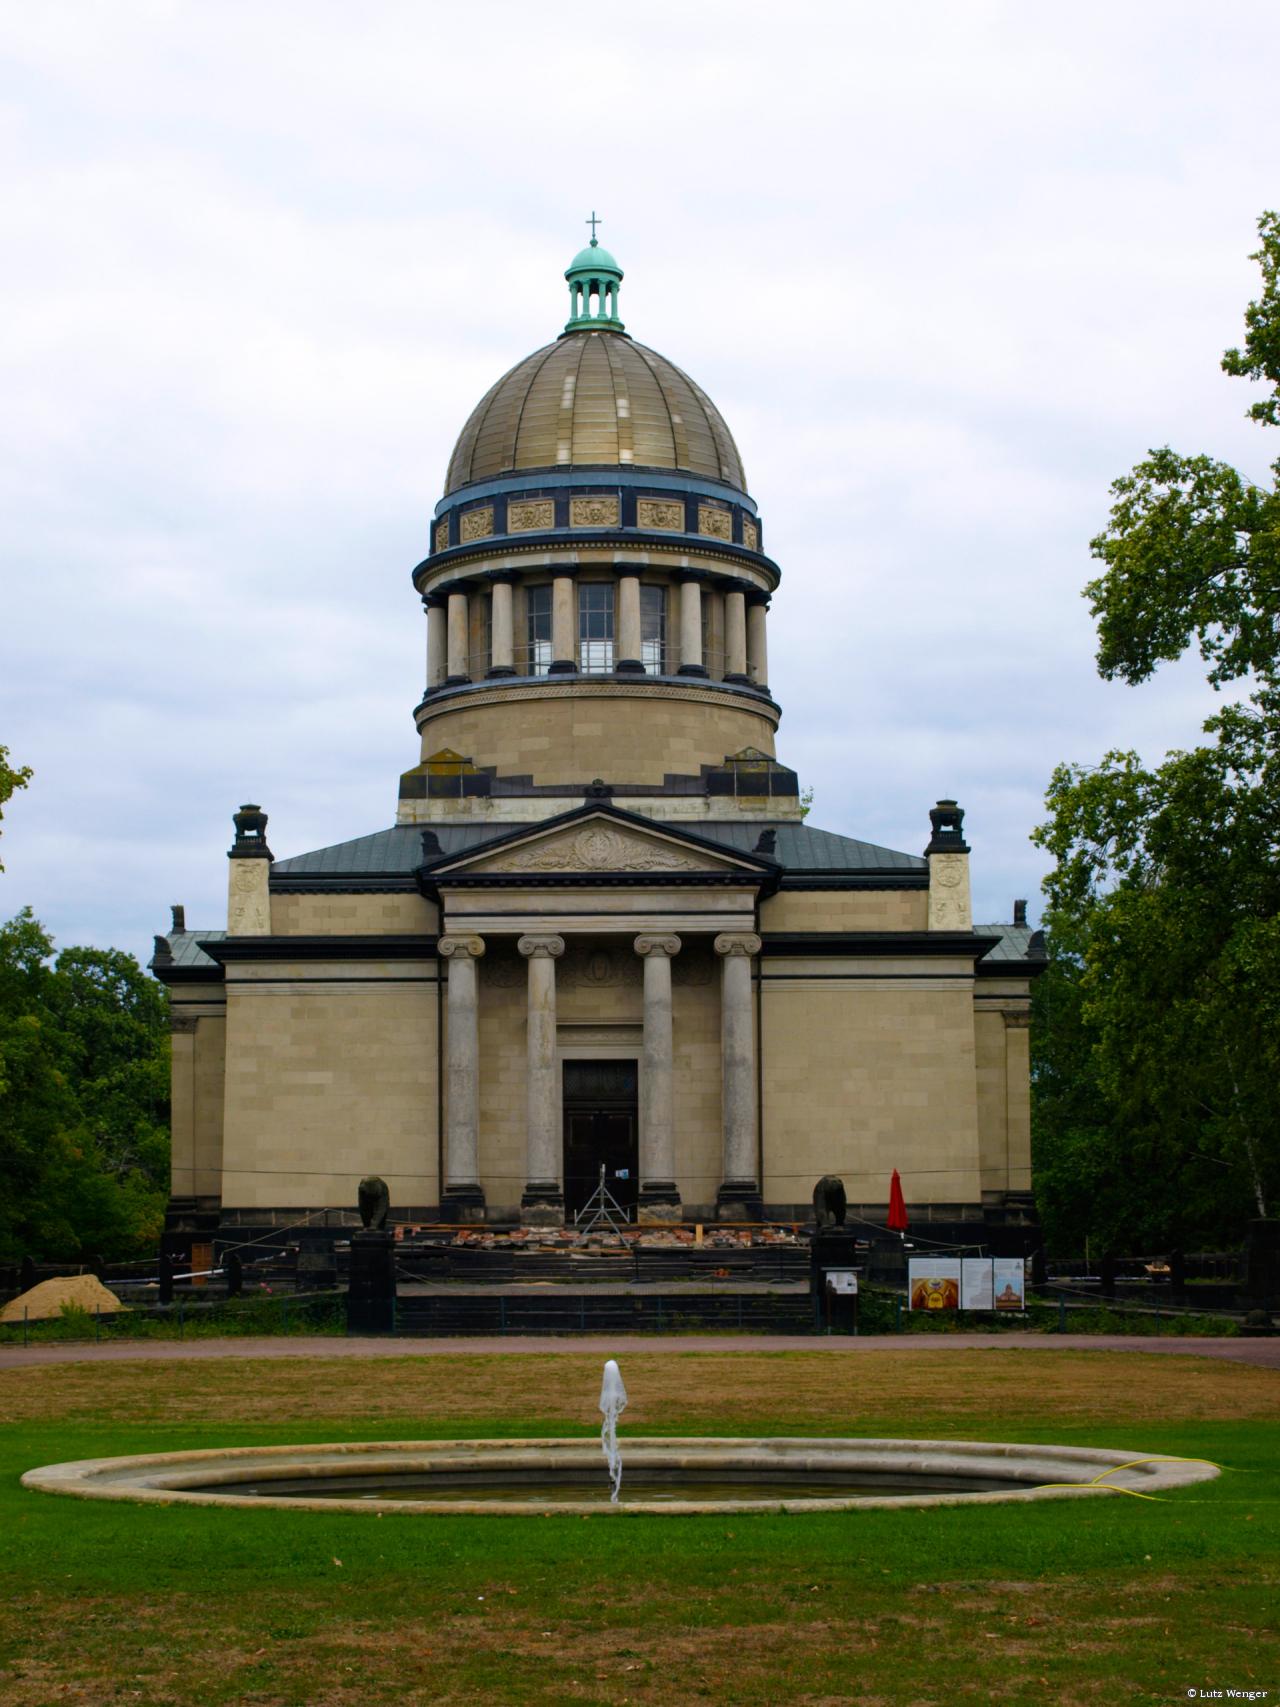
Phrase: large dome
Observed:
(595, 398)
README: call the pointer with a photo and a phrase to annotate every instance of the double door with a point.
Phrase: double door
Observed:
(601, 1129)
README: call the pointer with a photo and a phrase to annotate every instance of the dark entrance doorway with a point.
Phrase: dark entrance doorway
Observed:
(601, 1125)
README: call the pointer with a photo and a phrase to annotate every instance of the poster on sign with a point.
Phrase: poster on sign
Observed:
(934, 1282)
(1009, 1283)
(976, 1283)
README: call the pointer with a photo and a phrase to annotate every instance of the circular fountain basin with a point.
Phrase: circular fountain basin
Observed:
(527, 1478)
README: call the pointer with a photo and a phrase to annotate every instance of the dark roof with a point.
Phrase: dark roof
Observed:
(186, 954)
(797, 849)
(1018, 944)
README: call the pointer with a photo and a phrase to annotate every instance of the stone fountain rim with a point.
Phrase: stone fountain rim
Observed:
(158, 1478)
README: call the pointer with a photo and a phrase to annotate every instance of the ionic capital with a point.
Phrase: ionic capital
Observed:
(461, 945)
(541, 947)
(738, 942)
(662, 945)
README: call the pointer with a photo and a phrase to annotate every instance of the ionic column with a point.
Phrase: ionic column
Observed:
(502, 628)
(629, 660)
(691, 663)
(564, 626)
(459, 636)
(462, 1193)
(659, 1199)
(543, 1200)
(739, 1194)
(757, 643)
(437, 644)
(735, 636)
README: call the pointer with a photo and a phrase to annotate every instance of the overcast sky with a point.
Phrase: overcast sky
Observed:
(947, 269)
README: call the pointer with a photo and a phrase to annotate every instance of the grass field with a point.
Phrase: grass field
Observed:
(1107, 1600)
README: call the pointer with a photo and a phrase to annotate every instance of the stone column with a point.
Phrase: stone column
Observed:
(691, 663)
(437, 644)
(739, 1195)
(757, 642)
(501, 628)
(564, 624)
(659, 1199)
(542, 1204)
(735, 636)
(628, 651)
(459, 636)
(461, 1194)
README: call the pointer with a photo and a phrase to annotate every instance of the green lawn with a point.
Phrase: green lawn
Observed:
(1110, 1600)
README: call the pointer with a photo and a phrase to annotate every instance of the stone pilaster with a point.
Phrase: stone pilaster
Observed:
(564, 624)
(758, 641)
(659, 1199)
(739, 1195)
(437, 640)
(463, 1198)
(692, 662)
(627, 654)
(735, 636)
(459, 636)
(543, 1201)
(502, 638)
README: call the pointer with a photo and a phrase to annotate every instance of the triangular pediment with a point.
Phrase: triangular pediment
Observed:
(599, 843)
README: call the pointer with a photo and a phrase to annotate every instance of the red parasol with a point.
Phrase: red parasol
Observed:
(897, 1222)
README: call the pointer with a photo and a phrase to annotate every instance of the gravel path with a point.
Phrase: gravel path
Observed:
(1265, 1353)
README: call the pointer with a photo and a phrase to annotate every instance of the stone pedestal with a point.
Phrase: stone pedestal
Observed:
(371, 1291)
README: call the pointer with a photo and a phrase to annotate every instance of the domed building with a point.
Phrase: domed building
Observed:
(600, 934)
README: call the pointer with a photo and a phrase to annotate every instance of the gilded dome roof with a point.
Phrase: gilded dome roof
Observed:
(591, 398)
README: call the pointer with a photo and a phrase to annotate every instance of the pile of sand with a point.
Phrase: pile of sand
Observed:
(46, 1301)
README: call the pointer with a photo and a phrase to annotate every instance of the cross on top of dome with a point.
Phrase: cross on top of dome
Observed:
(594, 280)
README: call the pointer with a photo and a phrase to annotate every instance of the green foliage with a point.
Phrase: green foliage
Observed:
(12, 778)
(84, 1149)
(1158, 1043)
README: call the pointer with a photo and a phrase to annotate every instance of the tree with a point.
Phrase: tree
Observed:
(1164, 901)
(11, 779)
(83, 1099)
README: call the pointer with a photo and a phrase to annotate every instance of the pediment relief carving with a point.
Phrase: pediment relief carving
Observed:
(599, 847)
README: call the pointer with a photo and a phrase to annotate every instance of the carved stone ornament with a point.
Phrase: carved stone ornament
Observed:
(593, 513)
(476, 524)
(598, 848)
(694, 967)
(668, 945)
(442, 535)
(664, 514)
(462, 945)
(591, 968)
(751, 536)
(737, 942)
(715, 522)
(532, 515)
(541, 947)
(503, 970)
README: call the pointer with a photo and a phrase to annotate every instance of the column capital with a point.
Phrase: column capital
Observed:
(541, 947)
(501, 577)
(435, 601)
(461, 945)
(737, 942)
(659, 945)
(563, 571)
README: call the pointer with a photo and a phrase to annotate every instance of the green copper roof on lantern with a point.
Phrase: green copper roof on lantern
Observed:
(594, 278)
